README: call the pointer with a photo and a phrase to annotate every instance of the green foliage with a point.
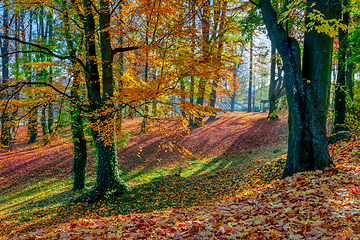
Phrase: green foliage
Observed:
(110, 193)
(322, 25)
(291, 10)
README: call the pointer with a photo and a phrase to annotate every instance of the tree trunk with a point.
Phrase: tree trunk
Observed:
(5, 119)
(33, 115)
(192, 79)
(78, 136)
(251, 74)
(218, 31)
(213, 99)
(146, 109)
(340, 88)
(108, 173)
(206, 41)
(191, 117)
(33, 125)
(50, 104)
(350, 77)
(77, 129)
(307, 91)
(182, 103)
(44, 126)
(154, 106)
(80, 150)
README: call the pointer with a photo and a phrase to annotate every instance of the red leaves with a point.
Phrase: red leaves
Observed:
(314, 205)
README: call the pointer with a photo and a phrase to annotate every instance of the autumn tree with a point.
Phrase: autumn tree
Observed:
(5, 118)
(87, 39)
(307, 84)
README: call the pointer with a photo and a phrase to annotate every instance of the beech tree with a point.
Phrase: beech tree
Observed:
(307, 84)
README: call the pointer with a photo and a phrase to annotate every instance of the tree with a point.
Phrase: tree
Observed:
(5, 118)
(205, 21)
(77, 125)
(340, 86)
(307, 85)
(251, 73)
(33, 112)
(100, 31)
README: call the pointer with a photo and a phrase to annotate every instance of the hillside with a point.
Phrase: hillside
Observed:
(230, 191)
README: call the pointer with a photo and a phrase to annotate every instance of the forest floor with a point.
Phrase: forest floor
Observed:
(229, 188)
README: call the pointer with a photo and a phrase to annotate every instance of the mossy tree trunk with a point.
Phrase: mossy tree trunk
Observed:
(78, 136)
(77, 126)
(108, 172)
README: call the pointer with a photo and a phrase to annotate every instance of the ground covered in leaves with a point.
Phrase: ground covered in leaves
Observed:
(214, 197)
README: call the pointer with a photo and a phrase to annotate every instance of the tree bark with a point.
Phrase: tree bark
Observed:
(251, 74)
(77, 127)
(5, 119)
(192, 79)
(146, 108)
(350, 77)
(78, 136)
(33, 115)
(232, 101)
(44, 125)
(182, 98)
(213, 98)
(206, 41)
(307, 89)
(50, 110)
(191, 117)
(340, 86)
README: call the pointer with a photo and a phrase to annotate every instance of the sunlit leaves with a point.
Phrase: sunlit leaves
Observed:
(322, 25)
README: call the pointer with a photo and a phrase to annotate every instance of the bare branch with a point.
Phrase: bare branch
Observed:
(80, 104)
(256, 4)
(123, 49)
(46, 50)
(8, 100)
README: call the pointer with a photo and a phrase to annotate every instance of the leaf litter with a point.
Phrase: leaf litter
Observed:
(244, 204)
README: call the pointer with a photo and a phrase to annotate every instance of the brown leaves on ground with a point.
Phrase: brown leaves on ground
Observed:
(235, 134)
(312, 205)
